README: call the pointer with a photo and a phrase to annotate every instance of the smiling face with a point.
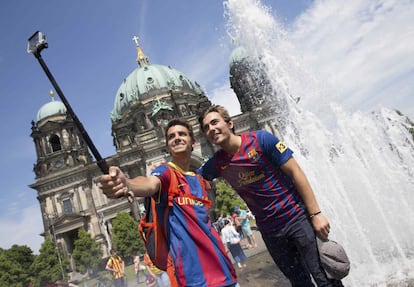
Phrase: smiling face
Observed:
(179, 141)
(216, 129)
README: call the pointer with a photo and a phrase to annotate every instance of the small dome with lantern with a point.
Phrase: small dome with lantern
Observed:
(51, 109)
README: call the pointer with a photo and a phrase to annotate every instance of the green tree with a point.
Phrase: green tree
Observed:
(46, 265)
(22, 257)
(125, 237)
(87, 254)
(11, 273)
(227, 198)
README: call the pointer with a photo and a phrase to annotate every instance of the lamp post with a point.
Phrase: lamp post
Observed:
(36, 43)
(51, 220)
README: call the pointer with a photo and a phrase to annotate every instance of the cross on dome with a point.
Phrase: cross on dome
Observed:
(135, 39)
(142, 60)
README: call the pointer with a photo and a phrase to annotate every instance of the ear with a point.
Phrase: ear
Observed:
(230, 124)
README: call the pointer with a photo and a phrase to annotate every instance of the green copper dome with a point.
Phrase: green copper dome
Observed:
(138, 86)
(147, 82)
(50, 109)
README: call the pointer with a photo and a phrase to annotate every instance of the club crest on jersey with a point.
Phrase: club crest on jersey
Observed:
(252, 154)
(281, 146)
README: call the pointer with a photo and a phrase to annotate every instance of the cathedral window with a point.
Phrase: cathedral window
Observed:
(67, 206)
(55, 142)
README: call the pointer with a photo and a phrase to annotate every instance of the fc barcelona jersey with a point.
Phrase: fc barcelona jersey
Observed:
(254, 172)
(199, 256)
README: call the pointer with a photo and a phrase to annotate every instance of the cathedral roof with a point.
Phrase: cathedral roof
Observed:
(144, 82)
(50, 109)
(237, 55)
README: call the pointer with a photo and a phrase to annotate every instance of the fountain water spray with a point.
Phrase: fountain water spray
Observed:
(361, 165)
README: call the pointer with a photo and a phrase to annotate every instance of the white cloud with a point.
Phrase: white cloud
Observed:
(225, 97)
(363, 49)
(20, 229)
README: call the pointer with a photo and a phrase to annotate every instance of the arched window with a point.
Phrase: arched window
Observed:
(55, 142)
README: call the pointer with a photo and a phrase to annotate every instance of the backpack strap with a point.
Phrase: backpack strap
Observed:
(175, 188)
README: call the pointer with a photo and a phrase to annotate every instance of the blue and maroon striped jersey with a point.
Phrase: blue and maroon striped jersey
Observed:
(254, 172)
(199, 256)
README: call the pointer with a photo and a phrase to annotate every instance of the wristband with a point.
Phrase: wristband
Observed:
(314, 214)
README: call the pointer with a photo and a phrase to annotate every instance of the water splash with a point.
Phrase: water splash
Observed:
(361, 165)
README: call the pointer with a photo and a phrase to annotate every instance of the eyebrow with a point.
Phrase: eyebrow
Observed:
(179, 132)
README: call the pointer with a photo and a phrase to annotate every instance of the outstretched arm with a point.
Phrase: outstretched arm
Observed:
(319, 221)
(115, 184)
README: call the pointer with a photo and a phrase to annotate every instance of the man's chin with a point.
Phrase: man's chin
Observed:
(179, 151)
(216, 141)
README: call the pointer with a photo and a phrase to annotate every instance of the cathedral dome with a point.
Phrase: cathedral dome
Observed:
(147, 99)
(50, 109)
(145, 82)
(237, 55)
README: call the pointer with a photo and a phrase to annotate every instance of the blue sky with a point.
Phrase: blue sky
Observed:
(358, 46)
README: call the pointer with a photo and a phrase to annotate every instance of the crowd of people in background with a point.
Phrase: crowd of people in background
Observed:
(241, 222)
(146, 273)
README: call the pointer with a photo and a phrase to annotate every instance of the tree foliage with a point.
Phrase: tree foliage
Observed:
(227, 198)
(21, 254)
(87, 254)
(46, 265)
(125, 237)
(10, 271)
(15, 266)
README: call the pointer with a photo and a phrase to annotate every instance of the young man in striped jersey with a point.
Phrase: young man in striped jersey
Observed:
(261, 168)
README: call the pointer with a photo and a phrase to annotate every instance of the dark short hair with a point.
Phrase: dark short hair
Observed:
(179, 122)
(226, 221)
(222, 111)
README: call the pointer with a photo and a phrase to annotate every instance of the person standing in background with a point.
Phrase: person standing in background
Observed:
(138, 267)
(160, 276)
(232, 240)
(116, 266)
(245, 227)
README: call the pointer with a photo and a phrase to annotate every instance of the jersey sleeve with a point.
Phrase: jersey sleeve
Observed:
(276, 150)
(163, 174)
(208, 170)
